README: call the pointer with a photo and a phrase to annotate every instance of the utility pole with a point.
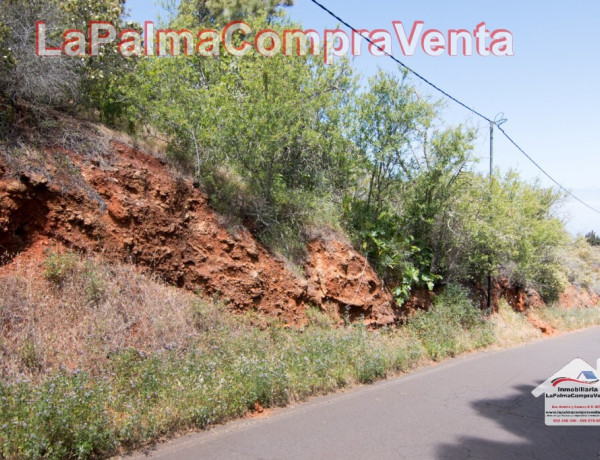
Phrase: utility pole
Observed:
(498, 121)
(489, 276)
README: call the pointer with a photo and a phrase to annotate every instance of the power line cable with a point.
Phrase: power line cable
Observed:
(462, 104)
(568, 192)
(398, 61)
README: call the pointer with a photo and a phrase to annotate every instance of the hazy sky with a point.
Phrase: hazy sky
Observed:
(548, 91)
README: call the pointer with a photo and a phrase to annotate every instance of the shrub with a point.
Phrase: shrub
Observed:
(46, 81)
(593, 239)
(453, 325)
(581, 262)
(64, 417)
(58, 267)
(61, 82)
(268, 143)
(512, 232)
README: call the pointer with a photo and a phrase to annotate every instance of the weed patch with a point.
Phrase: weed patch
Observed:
(120, 360)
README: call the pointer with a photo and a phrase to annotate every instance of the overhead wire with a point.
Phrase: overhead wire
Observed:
(457, 101)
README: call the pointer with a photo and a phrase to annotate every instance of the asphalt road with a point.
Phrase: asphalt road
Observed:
(479, 406)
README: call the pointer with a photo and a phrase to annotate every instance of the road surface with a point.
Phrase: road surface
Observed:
(478, 406)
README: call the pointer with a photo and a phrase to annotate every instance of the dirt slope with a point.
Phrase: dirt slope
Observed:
(128, 206)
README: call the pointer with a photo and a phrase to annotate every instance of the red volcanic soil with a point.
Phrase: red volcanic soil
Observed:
(129, 206)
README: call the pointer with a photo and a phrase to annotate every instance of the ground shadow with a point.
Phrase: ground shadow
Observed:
(521, 415)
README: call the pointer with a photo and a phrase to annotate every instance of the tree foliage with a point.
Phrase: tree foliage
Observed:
(264, 136)
(219, 12)
(423, 214)
(513, 233)
(57, 81)
(289, 144)
(593, 239)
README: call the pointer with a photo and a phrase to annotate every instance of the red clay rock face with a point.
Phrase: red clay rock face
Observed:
(419, 300)
(157, 222)
(136, 211)
(544, 327)
(574, 297)
(339, 275)
(520, 299)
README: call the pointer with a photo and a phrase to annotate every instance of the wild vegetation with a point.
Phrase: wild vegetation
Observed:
(291, 146)
(97, 359)
(592, 238)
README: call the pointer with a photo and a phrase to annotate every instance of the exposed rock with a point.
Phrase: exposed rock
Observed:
(544, 327)
(340, 275)
(519, 298)
(165, 226)
(575, 297)
(419, 300)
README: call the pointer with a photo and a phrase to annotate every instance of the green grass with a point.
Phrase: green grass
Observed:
(137, 398)
(198, 364)
(140, 398)
(452, 326)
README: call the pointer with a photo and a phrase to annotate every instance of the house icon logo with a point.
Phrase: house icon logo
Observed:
(576, 372)
(585, 377)
(572, 395)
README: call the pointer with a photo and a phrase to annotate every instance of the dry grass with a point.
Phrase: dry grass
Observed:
(566, 320)
(512, 328)
(97, 359)
(582, 262)
(48, 146)
(150, 140)
(81, 310)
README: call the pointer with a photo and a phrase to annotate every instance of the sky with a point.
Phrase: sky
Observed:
(548, 91)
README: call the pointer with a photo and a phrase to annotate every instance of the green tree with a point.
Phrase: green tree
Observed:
(219, 12)
(411, 175)
(56, 81)
(389, 122)
(514, 233)
(428, 199)
(593, 239)
(265, 136)
(173, 97)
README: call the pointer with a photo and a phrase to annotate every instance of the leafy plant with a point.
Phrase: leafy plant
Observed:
(453, 324)
(58, 267)
(593, 239)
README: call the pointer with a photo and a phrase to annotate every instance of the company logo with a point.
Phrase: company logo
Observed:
(584, 377)
(572, 395)
(238, 38)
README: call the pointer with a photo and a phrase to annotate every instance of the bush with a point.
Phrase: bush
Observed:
(582, 264)
(65, 417)
(511, 232)
(593, 239)
(61, 82)
(452, 326)
(58, 267)
(44, 81)
(268, 143)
